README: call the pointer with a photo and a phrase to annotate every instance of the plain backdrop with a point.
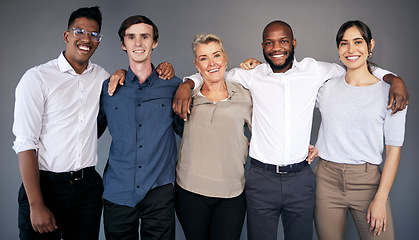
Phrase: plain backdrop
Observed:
(32, 33)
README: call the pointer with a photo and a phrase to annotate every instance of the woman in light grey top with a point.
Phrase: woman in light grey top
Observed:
(210, 202)
(356, 125)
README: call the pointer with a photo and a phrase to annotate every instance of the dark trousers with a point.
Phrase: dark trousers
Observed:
(270, 195)
(156, 211)
(204, 218)
(76, 205)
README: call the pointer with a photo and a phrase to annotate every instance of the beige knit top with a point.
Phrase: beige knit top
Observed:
(214, 148)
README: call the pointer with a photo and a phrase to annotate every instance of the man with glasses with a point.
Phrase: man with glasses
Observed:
(56, 138)
(55, 125)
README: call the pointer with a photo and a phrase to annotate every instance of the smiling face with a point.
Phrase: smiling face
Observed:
(354, 50)
(80, 49)
(278, 46)
(138, 43)
(211, 61)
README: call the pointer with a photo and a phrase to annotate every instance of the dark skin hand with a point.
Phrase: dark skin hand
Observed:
(183, 98)
(165, 71)
(398, 98)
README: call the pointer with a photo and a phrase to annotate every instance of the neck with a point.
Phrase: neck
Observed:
(215, 91)
(77, 67)
(141, 70)
(360, 77)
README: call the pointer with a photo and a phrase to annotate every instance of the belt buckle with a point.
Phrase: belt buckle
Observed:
(277, 170)
(74, 178)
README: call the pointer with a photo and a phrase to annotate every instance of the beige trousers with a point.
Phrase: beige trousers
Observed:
(342, 187)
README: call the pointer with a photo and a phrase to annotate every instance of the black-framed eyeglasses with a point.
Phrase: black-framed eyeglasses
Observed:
(80, 33)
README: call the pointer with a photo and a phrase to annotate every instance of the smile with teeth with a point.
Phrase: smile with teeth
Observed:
(277, 55)
(213, 70)
(353, 58)
(139, 51)
(84, 48)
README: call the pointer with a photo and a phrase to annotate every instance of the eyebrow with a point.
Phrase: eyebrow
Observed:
(204, 55)
(141, 34)
(355, 39)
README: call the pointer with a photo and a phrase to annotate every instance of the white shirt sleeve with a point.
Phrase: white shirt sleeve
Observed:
(236, 75)
(29, 108)
(380, 73)
(241, 76)
(329, 70)
(196, 78)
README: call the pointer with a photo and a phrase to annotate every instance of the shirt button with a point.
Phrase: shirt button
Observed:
(138, 186)
(140, 125)
(139, 104)
(139, 166)
(162, 105)
(141, 146)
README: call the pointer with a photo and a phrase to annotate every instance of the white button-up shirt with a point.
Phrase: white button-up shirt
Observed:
(283, 105)
(55, 114)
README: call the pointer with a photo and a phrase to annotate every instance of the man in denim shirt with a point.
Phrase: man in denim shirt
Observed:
(140, 172)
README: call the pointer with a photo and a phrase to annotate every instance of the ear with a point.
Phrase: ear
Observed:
(372, 44)
(123, 46)
(155, 44)
(65, 36)
(294, 43)
(196, 65)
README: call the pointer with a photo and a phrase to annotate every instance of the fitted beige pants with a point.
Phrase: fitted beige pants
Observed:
(342, 187)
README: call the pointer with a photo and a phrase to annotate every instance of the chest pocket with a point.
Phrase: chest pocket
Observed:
(118, 119)
(160, 113)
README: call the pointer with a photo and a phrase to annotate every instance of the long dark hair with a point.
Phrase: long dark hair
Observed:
(366, 34)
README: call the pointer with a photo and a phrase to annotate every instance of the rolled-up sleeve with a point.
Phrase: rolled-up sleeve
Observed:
(28, 112)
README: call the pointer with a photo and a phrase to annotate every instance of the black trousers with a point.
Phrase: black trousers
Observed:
(271, 195)
(205, 218)
(76, 205)
(156, 211)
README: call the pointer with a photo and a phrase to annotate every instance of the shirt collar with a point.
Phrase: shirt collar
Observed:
(231, 89)
(64, 66)
(149, 81)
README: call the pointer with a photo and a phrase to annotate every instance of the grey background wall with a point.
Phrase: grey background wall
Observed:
(32, 34)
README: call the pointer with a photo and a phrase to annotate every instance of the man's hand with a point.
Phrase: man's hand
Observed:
(183, 98)
(42, 219)
(249, 64)
(398, 97)
(312, 154)
(165, 70)
(117, 77)
(377, 216)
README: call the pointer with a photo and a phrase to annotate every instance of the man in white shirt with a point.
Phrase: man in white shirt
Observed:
(56, 138)
(280, 182)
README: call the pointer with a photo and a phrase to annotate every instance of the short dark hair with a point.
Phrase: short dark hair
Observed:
(365, 32)
(277, 22)
(92, 13)
(136, 19)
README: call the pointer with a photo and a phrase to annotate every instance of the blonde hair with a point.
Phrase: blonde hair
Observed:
(205, 38)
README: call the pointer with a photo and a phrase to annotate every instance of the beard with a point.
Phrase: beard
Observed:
(280, 67)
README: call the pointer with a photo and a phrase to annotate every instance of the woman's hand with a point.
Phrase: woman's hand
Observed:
(249, 64)
(377, 216)
(312, 154)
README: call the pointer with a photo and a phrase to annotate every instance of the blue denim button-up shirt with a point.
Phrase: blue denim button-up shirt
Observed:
(142, 124)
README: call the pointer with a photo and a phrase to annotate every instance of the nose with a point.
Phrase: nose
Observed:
(138, 42)
(351, 48)
(86, 37)
(211, 61)
(276, 46)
